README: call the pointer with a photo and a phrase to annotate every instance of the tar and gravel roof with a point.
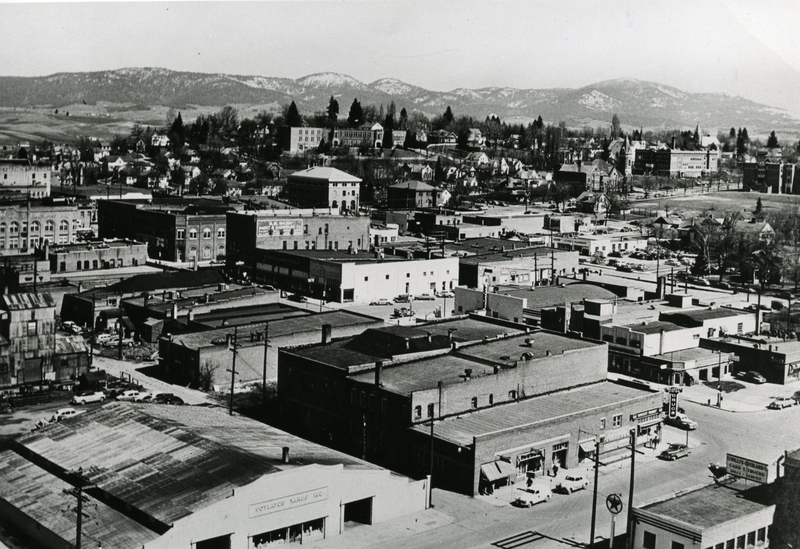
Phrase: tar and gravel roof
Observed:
(462, 428)
(707, 507)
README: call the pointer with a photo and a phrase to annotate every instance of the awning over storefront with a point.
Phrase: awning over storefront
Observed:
(497, 470)
(587, 446)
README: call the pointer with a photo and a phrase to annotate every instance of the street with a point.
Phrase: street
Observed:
(485, 522)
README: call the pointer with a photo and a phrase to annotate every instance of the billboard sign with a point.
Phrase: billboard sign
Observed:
(747, 469)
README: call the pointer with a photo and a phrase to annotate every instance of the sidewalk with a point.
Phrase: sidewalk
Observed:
(751, 398)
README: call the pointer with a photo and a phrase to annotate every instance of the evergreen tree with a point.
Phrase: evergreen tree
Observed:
(293, 118)
(759, 206)
(696, 136)
(403, 119)
(462, 140)
(388, 128)
(772, 140)
(745, 136)
(700, 267)
(732, 133)
(356, 115)
(448, 117)
(333, 110)
(539, 123)
(615, 126)
(175, 134)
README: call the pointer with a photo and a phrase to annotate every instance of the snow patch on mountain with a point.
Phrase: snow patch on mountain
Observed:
(597, 100)
(330, 80)
(392, 86)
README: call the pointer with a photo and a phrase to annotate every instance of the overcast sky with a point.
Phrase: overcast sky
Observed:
(747, 48)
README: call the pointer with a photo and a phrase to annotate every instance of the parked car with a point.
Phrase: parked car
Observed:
(753, 377)
(167, 398)
(381, 302)
(445, 293)
(780, 403)
(85, 397)
(572, 483)
(113, 341)
(63, 413)
(142, 397)
(404, 298)
(681, 421)
(403, 312)
(102, 337)
(297, 298)
(675, 451)
(129, 394)
(533, 495)
(425, 297)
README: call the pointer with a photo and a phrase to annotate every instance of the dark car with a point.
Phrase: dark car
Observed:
(675, 451)
(297, 298)
(753, 377)
(167, 398)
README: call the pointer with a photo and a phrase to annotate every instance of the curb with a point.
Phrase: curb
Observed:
(725, 409)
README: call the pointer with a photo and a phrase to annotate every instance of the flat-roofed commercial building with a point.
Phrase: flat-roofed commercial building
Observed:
(499, 386)
(22, 177)
(717, 516)
(359, 277)
(99, 254)
(207, 480)
(24, 226)
(291, 229)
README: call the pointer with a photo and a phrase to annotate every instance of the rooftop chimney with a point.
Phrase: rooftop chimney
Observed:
(378, 372)
(450, 334)
(430, 337)
(47, 249)
(547, 353)
(285, 455)
(326, 334)
(467, 373)
(191, 315)
(174, 311)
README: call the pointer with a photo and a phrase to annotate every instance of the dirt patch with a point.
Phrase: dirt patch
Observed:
(725, 386)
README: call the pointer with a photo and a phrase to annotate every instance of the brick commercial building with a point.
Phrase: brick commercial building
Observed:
(98, 254)
(494, 392)
(174, 229)
(716, 516)
(293, 229)
(324, 188)
(523, 267)
(205, 357)
(21, 177)
(26, 225)
(206, 480)
(675, 162)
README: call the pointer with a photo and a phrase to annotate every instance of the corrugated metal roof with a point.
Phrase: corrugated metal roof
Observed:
(20, 302)
(68, 345)
(170, 461)
(40, 496)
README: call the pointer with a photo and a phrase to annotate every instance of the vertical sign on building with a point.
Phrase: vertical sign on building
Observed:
(673, 401)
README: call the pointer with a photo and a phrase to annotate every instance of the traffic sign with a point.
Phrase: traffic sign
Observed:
(614, 503)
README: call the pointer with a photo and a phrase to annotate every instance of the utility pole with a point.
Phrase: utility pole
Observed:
(121, 330)
(233, 342)
(77, 492)
(628, 532)
(594, 498)
(264, 376)
(91, 335)
(430, 488)
(364, 437)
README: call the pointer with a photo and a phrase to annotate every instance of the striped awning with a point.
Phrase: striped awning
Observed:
(497, 470)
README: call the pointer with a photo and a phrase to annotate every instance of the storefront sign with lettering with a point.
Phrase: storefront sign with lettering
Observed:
(288, 502)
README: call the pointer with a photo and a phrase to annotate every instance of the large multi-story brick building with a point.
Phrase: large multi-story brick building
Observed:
(173, 229)
(324, 188)
(26, 225)
(675, 162)
(292, 229)
(22, 177)
(503, 403)
(100, 254)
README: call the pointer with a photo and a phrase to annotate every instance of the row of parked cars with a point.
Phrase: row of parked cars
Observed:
(133, 395)
(537, 493)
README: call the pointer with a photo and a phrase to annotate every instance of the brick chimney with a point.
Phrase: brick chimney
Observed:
(378, 372)
(326, 334)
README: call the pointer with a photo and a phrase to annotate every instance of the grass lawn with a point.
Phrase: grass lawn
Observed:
(721, 202)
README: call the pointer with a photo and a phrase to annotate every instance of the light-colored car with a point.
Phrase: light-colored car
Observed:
(129, 394)
(425, 297)
(143, 397)
(64, 413)
(572, 483)
(113, 341)
(681, 421)
(101, 338)
(445, 293)
(533, 495)
(85, 397)
(381, 302)
(780, 403)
